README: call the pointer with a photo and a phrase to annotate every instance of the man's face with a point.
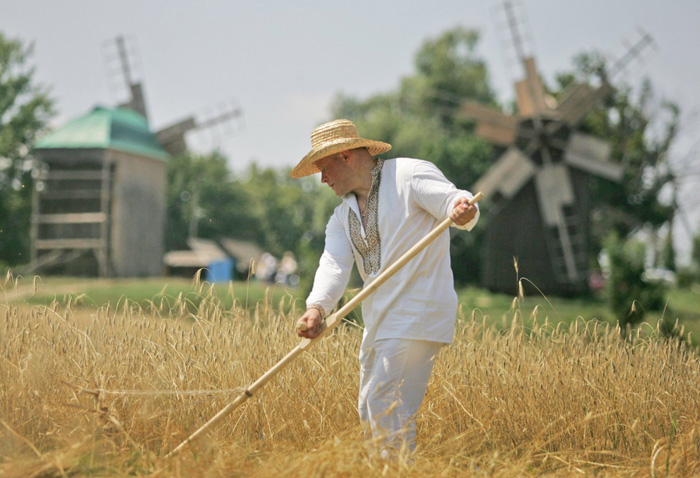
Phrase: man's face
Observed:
(336, 173)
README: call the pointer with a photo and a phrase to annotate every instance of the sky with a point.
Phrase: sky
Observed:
(282, 63)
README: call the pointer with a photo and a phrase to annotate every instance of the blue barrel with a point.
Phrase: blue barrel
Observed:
(220, 270)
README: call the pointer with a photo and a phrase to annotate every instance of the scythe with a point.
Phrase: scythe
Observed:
(331, 322)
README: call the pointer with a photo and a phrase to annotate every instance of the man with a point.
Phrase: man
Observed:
(388, 206)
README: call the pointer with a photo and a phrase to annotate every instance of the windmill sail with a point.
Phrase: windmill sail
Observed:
(492, 125)
(508, 175)
(590, 154)
(577, 100)
(555, 193)
(530, 94)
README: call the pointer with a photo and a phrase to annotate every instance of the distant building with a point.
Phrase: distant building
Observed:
(100, 201)
(222, 260)
(246, 254)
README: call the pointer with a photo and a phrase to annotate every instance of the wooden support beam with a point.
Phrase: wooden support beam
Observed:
(71, 194)
(69, 244)
(63, 175)
(72, 218)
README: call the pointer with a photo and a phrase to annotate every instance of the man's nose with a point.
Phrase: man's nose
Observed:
(324, 178)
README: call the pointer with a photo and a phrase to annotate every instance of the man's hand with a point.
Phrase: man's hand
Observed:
(314, 324)
(463, 212)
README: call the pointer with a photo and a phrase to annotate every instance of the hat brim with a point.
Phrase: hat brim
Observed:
(307, 166)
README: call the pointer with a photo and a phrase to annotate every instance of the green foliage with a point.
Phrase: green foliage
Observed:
(205, 200)
(629, 295)
(25, 109)
(668, 252)
(286, 208)
(686, 277)
(448, 71)
(695, 252)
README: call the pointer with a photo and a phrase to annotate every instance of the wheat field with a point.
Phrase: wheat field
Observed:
(110, 391)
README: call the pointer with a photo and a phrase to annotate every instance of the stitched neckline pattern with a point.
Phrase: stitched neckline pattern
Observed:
(369, 247)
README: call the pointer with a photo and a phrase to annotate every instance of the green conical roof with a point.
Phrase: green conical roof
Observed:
(106, 128)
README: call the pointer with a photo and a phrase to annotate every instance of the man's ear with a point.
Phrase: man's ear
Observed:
(345, 156)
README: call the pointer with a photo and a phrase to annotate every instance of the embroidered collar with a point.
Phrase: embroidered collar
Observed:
(376, 170)
(369, 246)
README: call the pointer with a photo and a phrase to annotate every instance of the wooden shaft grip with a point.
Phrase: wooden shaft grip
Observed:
(477, 197)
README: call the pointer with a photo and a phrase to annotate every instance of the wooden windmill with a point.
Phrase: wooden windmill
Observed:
(100, 203)
(540, 184)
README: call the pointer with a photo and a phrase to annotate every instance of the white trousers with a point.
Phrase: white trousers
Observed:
(394, 376)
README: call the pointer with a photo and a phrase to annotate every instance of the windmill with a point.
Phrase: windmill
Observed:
(102, 185)
(539, 186)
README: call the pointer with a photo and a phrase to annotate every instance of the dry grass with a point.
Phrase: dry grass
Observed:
(110, 392)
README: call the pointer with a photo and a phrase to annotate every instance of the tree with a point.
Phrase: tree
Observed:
(25, 109)
(630, 296)
(695, 252)
(205, 200)
(640, 130)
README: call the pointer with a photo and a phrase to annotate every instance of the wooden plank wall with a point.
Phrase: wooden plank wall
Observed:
(138, 215)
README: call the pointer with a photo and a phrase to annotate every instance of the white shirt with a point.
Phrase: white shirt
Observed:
(419, 300)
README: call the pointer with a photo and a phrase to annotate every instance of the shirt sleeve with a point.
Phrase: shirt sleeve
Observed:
(334, 267)
(436, 194)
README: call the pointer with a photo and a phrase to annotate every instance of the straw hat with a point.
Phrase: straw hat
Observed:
(334, 137)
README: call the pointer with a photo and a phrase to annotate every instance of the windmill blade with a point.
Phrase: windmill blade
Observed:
(507, 176)
(579, 99)
(492, 125)
(121, 55)
(172, 138)
(530, 95)
(137, 101)
(591, 155)
(554, 192)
